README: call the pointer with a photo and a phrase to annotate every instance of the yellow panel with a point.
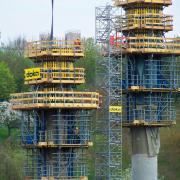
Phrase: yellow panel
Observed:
(33, 73)
(115, 109)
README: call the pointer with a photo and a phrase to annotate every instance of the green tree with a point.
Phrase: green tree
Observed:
(89, 63)
(7, 80)
(16, 64)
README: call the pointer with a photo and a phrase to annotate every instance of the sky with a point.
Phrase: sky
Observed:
(29, 18)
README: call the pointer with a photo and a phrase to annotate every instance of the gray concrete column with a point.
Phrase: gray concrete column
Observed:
(145, 148)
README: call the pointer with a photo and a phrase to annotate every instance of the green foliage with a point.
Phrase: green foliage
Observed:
(7, 80)
(16, 65)
(11, 158)
(89, 63)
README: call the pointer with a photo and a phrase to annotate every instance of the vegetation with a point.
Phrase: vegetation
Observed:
(8, 117)
(12, 66)
(7, 80)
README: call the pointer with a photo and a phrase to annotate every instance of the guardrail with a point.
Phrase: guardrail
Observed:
(142, 44)
(55, 99)
(59, 75)
(54, 48)
(151, 21)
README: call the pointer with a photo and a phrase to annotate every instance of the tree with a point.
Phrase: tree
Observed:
(9, 117)
(16, 46)
(89, 63)
(16, 65)
(7, 84)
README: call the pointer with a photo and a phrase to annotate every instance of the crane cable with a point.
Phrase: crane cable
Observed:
(52, 25)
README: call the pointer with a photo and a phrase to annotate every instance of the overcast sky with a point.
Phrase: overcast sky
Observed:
(31, 17)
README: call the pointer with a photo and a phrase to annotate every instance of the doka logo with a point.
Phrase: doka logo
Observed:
(115, 109)
(33, 73)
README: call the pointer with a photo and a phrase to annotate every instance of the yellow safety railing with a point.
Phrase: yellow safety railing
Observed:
(147, 21)
(151, 44)
(63, 75)
(124, 2)
(55, 99)
(55, 48)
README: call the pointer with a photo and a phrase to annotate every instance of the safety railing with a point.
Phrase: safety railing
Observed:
(157, 74)
(152, 115)
(51, 170)
(146, 21)
(55, 99)
(126, 2)
(63, 75)
(54, 48)
(70, 136)
(144, 44)
(59, 165)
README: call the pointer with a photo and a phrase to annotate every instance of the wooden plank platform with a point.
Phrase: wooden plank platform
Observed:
(134, 27)
(144, 89)
(46, 145)
(136, 123)
(53, 178)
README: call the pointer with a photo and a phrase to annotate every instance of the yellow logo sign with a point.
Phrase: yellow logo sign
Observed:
(33, 73)
(115, 109)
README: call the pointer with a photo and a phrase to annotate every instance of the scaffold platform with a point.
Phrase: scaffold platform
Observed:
(55, 99)
(56, 48)
(58, 75)
(125, 3)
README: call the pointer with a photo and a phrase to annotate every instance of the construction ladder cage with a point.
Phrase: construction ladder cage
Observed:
(108, 133)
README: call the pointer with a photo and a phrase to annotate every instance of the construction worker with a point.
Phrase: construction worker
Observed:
(76, 136)
(77, 44)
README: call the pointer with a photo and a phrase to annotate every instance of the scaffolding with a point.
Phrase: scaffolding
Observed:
(65, 128)
(157, 74)
(109, 118)
(139, 70)
(152, 71)
(57, 164)
(56, 119)
(150, 109)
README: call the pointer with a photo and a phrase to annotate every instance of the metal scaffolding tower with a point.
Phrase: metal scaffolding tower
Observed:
(109, 120)
(55, 128)
(147, 79)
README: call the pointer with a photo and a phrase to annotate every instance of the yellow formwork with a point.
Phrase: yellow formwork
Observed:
(58, 76)
(147, 21)
(155, 45)
(129, 2)
(55, 99)
(41, 49)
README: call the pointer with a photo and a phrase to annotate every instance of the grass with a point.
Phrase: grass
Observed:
(169, 157)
